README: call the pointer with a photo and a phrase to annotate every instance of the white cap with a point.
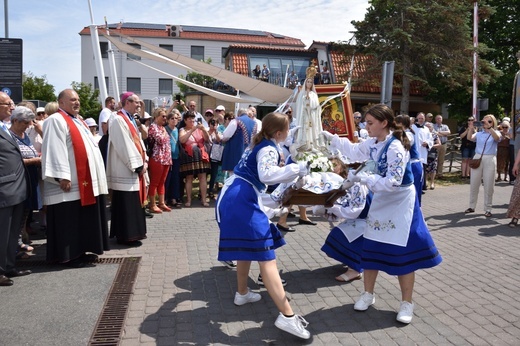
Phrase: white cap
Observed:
(220, 108)
(506, 119)
(90, 122)
(40, 110)
(146, 115)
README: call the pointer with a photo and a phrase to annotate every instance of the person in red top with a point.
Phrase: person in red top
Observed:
(160, 161)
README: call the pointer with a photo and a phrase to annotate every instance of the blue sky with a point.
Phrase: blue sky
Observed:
(49, 28)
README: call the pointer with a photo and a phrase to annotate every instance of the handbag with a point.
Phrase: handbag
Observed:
(475, 163)
(216, 152)
(149, 148)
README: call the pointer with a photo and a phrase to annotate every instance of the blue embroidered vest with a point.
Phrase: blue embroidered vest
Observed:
(247, 166)
(414, 152)
(382, 165)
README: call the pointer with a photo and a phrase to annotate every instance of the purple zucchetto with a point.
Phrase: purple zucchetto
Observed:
(124, 96)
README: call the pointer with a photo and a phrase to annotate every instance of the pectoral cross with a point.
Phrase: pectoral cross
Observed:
(85, 183)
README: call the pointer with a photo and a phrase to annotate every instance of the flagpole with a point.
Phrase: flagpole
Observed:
(475, 112)
(97, 57)
(112, 65)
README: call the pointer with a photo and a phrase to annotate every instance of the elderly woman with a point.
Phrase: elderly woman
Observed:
(160, 160)
(21, 119)
(195, 159)
(486, 149)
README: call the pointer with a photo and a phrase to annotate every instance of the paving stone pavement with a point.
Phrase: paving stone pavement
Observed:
(183, 295)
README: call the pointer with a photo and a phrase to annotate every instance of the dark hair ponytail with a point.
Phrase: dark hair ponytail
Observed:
(382, 112)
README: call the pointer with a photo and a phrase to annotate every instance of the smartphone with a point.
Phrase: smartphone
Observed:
(178, 98)
(477, 123)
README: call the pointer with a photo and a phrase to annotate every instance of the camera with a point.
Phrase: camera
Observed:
(477, 123)
(178, 98)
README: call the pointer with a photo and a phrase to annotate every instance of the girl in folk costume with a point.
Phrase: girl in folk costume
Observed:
(397, 243)
(245, 231)
(308, 117)
(415, 158)
(345, 241)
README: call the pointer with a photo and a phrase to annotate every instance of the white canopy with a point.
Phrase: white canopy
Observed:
(256, 88)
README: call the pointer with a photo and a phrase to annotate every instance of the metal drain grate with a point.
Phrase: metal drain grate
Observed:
(111, 321)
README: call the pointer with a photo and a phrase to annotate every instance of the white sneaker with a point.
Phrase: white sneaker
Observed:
(293, 325)
(365, 300)
(405, 314)
(229, 264)
(249, 297)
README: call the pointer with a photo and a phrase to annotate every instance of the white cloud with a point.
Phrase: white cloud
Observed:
(50, 28)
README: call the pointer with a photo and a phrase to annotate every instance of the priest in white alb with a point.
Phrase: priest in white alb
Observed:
(74, 186)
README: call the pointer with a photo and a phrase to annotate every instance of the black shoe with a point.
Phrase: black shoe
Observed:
(291, 215)
(260, 282)
(285, 229)
(89, 257)
(14, 273)
(306, 222)
(148, 214)
(75, 263)
(134, 243)
(5, 281)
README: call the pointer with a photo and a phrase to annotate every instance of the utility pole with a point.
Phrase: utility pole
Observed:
(475, 112)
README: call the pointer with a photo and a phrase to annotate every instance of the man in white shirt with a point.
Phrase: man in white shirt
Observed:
(110, 106)
(424, 140)
(443, 131)
(251, 112)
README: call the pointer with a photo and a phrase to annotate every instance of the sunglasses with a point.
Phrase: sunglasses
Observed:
(489, 122)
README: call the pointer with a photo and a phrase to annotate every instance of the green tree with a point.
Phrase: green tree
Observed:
(88, 97)
(196, 78)
(37, 88)
(430, 42)
(501, 31)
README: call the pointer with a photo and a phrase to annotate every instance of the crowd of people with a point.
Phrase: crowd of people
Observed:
(56, 162)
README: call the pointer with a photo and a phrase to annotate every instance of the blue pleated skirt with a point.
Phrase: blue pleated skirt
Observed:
(245, 231)
(420, 251)
(338, 247)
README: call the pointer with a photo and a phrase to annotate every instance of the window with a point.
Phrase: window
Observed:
(103, 46)
(278, 67)
(131, 56)
(165, 86)
(96, 83)
(167, 47)
(197, 53)
(133, 84)
(224, 50)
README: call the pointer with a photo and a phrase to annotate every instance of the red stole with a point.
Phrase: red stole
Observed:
(137, 143)
(86, 191)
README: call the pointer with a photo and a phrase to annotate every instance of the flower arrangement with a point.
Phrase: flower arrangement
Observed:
(317, 161)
